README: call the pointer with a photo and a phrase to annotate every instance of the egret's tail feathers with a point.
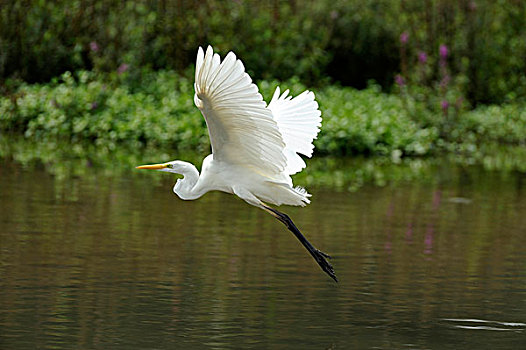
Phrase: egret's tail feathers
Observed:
(303, 194)
(284, 193)
(302, 191)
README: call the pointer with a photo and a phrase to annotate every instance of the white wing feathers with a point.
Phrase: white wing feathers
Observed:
(299, 121)
(242, 130)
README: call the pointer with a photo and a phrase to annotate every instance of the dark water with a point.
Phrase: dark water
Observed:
(118, 262)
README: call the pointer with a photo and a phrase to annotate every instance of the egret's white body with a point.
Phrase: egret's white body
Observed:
(244, 182)
(255, 146)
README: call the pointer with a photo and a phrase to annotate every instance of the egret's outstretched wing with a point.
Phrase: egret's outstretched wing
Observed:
(242, 130)
(299, 121)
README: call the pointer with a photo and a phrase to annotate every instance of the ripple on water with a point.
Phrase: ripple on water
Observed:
(476, 324)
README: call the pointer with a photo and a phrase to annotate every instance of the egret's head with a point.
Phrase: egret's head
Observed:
(185, 183)
(175, 166)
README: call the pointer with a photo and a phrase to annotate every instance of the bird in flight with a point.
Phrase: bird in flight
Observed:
(255, 146)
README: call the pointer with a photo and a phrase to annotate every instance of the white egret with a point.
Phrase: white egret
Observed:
(254, 146)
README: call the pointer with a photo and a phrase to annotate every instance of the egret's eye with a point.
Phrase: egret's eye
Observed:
(171, 166)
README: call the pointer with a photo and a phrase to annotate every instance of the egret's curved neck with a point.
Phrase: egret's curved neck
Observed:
(186, 187)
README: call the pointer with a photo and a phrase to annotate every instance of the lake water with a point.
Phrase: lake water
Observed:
(104, 261)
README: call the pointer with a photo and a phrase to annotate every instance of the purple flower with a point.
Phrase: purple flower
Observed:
(399, 80)
(404, 37)
(422, 57)
(94, 105)
(123, 68)
(94, 46)
(443, 51)
(334, 14)
(445, 105)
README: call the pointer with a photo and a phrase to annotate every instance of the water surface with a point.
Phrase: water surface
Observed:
(104, 261)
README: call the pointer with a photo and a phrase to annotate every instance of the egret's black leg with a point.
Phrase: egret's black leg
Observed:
(319, 256)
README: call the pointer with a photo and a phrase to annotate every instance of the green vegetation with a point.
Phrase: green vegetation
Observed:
(110, 110)
(440, 77)
(348, 42)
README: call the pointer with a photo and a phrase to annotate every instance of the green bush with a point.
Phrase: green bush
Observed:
(42, 39)
(350, 42)
(499, 124)
(369, 122)
(84, 108)
(110, 109)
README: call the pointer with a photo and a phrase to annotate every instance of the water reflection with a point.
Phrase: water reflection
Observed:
(64, 159)
(103, 262)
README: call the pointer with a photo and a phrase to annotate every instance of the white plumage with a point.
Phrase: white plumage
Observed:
(299, 121)
(262, 141)
(241, 128)
(254, 146)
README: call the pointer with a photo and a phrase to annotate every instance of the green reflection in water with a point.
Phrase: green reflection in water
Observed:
(63, 159)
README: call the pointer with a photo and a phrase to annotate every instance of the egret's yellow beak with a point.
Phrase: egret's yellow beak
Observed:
(153, 166)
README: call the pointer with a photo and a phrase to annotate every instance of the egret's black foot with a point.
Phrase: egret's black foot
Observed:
(318, 255)
(326, 266)
(325, 255)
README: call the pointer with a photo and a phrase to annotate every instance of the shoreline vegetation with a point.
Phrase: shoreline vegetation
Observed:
(90, 120)
(157, 110)
(398, 83)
